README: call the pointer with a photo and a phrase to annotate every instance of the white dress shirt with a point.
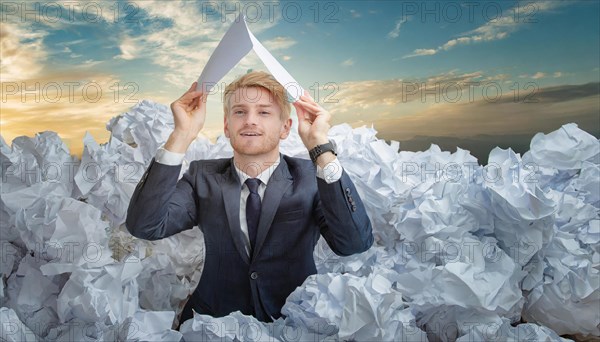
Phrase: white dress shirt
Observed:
(332, 172)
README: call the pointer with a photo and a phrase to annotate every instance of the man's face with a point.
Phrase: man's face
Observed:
(253, 124)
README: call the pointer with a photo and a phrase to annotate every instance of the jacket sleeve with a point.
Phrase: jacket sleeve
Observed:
(161, 206)
(342, 217)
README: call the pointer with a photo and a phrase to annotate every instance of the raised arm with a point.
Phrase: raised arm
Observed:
(342, 217)
(162, 206)
(189, 114)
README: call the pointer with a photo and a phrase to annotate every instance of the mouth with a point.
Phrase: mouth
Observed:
(250, 134)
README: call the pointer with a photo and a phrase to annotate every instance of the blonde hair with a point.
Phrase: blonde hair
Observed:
(263, 80)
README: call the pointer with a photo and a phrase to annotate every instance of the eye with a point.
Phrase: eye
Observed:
(264, 113)
(238, 112)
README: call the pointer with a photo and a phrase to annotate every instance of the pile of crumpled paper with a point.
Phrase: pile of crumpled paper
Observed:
(509, 250)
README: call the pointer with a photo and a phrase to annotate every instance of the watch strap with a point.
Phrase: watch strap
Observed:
(320, 149)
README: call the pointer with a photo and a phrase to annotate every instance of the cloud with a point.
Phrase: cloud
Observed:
(355, 14)
(395, 32)
(347, 63)
(481, 117)
(67, 103)
(422, 52)
(74, 42)
(451, 43)
(562, 93)
(423, 106)
(495, 29)
(498, 77)
(182, 46)
(362, 95)
(443, 88)
(553, 107)
(62, 14)
(172, 37)
(94, 11)
(182, 15)
(538, 75)
(279, 43)
(22, 52)
(129, 49)
(558, 74)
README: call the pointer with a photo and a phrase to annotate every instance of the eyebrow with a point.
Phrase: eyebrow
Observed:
(245, 106)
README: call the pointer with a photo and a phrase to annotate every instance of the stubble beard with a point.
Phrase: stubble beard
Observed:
(254, 148)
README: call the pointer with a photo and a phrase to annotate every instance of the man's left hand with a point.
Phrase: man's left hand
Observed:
(313, 121)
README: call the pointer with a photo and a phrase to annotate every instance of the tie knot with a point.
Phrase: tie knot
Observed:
(253, 184)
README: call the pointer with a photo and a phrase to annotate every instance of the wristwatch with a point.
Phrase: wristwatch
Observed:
(320, 149)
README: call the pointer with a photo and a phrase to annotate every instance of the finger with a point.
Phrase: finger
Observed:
(311, 107)
(303, 117)
(303, 101)
(190, 96)
(203, 98)
(299, 110)
(296, 104)
(307, 94)
(308, 98)
(191, 100)
(189, 89)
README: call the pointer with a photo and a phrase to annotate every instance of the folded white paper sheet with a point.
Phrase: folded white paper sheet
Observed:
(236, 44)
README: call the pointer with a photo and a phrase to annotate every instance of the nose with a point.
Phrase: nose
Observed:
(251, 119)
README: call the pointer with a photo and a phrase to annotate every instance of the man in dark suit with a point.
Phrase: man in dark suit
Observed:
(261, 212)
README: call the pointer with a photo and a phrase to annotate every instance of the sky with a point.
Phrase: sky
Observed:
(476, 74)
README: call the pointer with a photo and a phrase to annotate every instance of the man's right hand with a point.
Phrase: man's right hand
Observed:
(189, 114)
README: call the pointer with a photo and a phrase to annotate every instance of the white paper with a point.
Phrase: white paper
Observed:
(453, 248)
(12, 329)
(236, 44)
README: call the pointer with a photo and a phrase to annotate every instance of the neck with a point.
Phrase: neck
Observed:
(253, 165)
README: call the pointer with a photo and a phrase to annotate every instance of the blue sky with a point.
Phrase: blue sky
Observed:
(368, 56)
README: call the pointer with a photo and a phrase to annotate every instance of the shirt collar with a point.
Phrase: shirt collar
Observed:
(263, 176)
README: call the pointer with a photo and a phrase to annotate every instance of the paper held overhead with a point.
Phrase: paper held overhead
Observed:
(236, 44)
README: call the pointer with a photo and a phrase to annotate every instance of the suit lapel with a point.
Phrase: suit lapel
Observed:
(279, 182)
(231, 189)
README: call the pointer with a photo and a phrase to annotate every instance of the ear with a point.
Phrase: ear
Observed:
(225, 126)
(285, 129)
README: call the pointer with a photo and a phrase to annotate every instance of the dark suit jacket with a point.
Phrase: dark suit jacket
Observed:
(296, 208)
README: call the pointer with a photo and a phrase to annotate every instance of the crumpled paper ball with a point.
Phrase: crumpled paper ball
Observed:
(463, 251)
